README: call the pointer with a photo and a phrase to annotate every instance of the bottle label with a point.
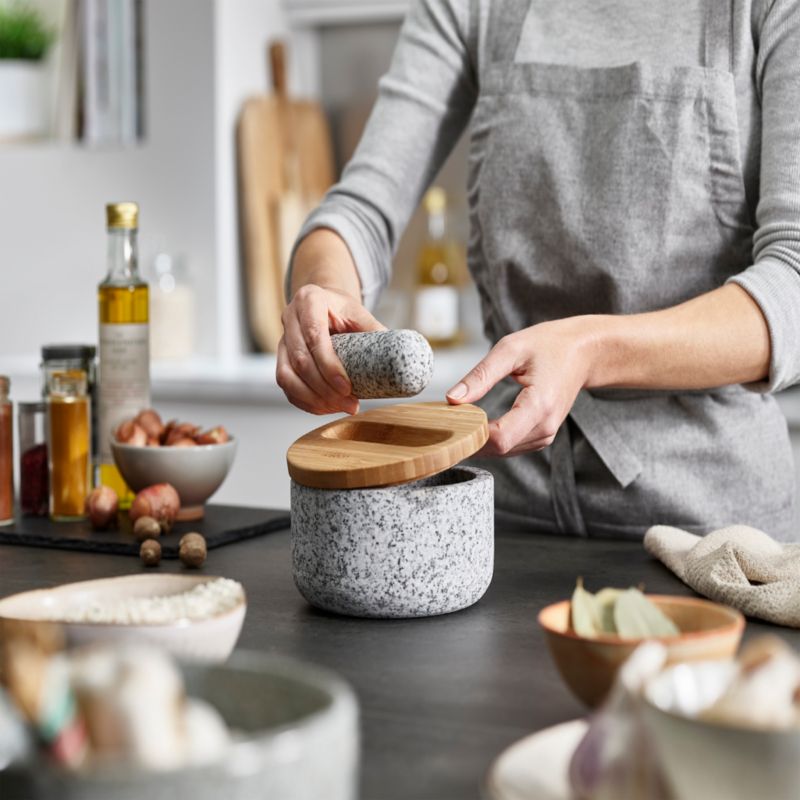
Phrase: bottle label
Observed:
(124, 378)
(436, 312)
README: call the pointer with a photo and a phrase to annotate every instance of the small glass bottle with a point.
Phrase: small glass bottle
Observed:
(68, 444)
(172, 312)
(124, 373)
(33, 479)
(65, 357)
(6, 454)
(437, 296)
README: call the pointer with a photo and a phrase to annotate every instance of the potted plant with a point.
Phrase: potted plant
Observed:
(24, 41)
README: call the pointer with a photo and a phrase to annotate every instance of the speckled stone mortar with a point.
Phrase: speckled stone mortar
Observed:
(385, 363)
(413, 550)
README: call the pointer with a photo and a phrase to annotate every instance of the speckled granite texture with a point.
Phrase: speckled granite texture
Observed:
(385, 363)
(414, 550)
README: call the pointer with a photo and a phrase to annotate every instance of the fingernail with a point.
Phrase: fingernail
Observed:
(341, 385)
(458, 391)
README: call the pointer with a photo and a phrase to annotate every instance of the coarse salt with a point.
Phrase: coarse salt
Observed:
(201, 602)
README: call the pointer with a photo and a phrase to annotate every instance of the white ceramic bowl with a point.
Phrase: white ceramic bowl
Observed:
(710, 761)
(295, 738)
(195, 472)
(211, 639)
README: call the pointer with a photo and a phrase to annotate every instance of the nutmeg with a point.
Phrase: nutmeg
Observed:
(192, 550)
(146, 528)
(150, 553)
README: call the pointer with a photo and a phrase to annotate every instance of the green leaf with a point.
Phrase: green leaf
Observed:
(637, 618)
(24, 34)
(584, 612)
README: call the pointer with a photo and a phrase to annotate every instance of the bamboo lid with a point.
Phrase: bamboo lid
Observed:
(387, 445)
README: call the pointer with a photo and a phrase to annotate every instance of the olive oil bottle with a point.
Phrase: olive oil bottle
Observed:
(124, 370)
(437, 297)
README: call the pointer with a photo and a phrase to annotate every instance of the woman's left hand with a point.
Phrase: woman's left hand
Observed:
(551, 362)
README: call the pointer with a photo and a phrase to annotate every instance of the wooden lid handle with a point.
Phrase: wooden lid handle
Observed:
(277, 61)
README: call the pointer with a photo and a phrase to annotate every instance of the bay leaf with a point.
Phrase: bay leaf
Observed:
(636, 617)
(584, 612)
(606, 601)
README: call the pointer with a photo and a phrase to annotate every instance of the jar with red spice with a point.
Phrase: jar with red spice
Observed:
(6, 455)
(33, 480)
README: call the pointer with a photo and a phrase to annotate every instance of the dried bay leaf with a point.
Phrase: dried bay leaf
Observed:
(585, 612)
(606, 601)
(636, 617)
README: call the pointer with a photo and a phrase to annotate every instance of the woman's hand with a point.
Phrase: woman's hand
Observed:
(551, 362)
(308, 370)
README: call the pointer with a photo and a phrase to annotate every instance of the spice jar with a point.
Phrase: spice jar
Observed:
(33, 481)
(6, 455)
(67, 357)
(68, 444)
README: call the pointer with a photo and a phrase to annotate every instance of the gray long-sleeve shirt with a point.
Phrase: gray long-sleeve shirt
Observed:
(426, 99)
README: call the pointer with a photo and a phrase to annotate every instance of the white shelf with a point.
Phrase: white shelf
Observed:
(326, 12)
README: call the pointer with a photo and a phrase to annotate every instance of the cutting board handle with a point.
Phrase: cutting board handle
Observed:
(277, 62)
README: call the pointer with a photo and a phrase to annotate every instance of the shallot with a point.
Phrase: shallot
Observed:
(161, 502)
(101, 507)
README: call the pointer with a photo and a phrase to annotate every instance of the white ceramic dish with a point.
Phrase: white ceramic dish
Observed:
(210, 640)
(536, 767)
(713, 761)
(296, 738)
(195, 472)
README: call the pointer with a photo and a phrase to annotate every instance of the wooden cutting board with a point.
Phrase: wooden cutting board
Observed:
(285, 167)
(387, 445)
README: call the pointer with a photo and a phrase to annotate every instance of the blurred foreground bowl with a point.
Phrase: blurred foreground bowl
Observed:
(295, 731)
(710, 760)
(195, 472)
(589, 665)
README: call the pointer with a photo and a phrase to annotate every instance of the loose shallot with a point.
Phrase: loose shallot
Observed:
(161, 502)
(101, 507)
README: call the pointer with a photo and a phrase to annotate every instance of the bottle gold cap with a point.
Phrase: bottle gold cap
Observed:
(122, 215)
(435, 200)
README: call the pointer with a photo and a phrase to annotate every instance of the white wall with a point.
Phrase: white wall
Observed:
(52, 196)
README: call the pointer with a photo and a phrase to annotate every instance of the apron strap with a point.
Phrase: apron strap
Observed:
(564, 491)
(610, 447)
(718, 35)
(506, 18)
(605, 439)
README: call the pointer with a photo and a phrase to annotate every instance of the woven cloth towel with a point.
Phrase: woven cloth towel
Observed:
(738, 566)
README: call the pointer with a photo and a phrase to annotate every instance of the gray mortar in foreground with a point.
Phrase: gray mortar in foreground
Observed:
(397, 363)
(413, 550)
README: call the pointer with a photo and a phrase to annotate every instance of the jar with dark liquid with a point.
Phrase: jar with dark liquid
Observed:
(6, 454)
(33, 479)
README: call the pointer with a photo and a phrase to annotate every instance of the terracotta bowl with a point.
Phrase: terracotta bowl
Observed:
(195, 472)
(709, 631)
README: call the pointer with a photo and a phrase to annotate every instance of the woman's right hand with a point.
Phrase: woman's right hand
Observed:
(308, 370)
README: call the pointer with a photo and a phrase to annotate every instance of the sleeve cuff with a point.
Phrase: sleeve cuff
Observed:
(775, 287)
(372, 282)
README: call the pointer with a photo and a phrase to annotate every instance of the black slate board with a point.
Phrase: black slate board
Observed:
(221, 525)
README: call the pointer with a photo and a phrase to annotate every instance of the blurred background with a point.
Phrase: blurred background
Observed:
(145, 100)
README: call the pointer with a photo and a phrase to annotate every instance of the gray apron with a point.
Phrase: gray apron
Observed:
(615, 191)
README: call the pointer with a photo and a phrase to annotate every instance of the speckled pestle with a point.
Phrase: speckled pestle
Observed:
(396, 363)
(413, 550)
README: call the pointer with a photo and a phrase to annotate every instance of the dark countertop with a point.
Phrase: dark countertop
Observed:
(439, 697)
